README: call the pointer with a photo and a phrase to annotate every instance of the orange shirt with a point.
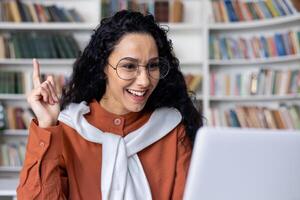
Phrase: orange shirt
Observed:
(60, 164)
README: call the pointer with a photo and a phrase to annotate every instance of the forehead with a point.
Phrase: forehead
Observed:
(135, 45)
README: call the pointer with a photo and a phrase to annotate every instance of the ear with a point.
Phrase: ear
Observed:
(105, 70)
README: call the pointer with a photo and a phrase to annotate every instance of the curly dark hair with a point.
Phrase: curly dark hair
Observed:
(88, 80)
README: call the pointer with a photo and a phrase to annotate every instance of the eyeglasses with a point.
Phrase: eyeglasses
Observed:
(128, 68)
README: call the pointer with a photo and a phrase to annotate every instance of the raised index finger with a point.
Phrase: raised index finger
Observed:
(36, 73)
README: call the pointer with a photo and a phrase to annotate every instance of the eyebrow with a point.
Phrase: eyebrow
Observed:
(135, 59)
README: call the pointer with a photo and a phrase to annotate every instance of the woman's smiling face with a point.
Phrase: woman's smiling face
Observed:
(124, 96)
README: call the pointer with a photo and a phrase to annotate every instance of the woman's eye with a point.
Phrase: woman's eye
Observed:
(129, 66)
(153, 66)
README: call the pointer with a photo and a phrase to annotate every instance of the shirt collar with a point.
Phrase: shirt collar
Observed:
(118, 124)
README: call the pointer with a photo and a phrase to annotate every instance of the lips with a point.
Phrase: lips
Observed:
(138, 93)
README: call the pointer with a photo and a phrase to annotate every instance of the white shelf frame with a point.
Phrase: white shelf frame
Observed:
(12, 97)
(14, 132)
(278, 59)
(183, 26)
(255, 23)
(8, 186)
(16, 61)
(63, 26)
(256, 26)
(291, 97)
(72, 26)
(10, 169)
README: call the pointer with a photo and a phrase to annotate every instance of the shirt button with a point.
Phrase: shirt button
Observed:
(42, 144)
(117, 121)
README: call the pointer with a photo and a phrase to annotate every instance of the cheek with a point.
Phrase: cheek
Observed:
(155, 83)
(118, 87)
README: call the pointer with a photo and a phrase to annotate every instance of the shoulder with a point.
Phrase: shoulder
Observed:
(182, 137)
(168, 112)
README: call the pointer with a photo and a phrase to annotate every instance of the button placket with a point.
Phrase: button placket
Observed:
(42, 144)
(117, 121)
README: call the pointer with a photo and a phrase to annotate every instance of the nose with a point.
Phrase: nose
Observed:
(143, 78)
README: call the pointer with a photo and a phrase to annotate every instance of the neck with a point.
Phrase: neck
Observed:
(105, 104)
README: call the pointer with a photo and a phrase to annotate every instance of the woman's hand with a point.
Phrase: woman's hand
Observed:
(43, 99)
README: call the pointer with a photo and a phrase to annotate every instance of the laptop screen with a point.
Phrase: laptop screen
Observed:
(244, 164)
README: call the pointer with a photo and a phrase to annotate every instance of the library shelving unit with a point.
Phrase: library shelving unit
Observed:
(191, 40)
(259, 81)
(187, 36)
(89, 11)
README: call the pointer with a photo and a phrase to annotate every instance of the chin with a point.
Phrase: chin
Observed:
(136, 108)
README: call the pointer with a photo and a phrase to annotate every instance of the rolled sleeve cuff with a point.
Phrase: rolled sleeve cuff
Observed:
(44, 142)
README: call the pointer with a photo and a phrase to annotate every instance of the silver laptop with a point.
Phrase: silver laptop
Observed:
(244, 164)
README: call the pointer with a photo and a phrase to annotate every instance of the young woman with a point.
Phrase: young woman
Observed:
(125, 124)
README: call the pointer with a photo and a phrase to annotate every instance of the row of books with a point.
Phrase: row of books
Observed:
(12, 154)
(11, 82)
(38, 45)
(16, 117)
(283, 117)
(259, 82)
(19, 11)
(279, 44)
(14, 82)
(238, 10)
(193, 82)
(163, 10)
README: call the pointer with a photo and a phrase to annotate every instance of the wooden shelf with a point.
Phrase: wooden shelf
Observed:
(10, 169)
(84, 26)
(26, 61)
(8, 186)
(255, 23)
(12, 96)
(48, 26)
(195, 63)
(14, 132)
(54, 61)
(255, 98)
(280, 59)
(182, 26)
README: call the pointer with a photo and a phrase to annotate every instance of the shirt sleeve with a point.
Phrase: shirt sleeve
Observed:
(43, 175)
(184, 151)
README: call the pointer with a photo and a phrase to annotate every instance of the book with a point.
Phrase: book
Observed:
(237, 9)
(13, 9)
(296, 4)
(278, 120)
(230, 10)
(161, 11)
(272, 8)
(177, 9)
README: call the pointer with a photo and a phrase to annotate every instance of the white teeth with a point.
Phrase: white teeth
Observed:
(136, 93)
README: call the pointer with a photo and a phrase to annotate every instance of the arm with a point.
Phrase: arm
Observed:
(184, 151)
(43, 175)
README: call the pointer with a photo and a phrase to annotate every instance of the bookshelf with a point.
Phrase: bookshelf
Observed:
(184, 35)
(90, 11)
(191, 41)
(231, 79)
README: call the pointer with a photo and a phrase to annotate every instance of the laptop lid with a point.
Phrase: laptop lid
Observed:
(244, 164)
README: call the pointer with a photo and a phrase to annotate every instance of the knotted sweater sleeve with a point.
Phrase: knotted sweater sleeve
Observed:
(43, 175)
(184, 152)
